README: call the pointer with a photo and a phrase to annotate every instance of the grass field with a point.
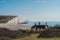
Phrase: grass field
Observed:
(34, 37)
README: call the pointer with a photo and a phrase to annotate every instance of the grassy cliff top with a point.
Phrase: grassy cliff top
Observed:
(6, 18)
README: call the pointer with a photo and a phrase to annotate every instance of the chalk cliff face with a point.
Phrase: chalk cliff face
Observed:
(5, 19)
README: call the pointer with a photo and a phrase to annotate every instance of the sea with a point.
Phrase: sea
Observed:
(42, 23)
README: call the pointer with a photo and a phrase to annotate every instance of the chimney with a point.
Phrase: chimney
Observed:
(46, 25)
(39, 23)
(35, 24)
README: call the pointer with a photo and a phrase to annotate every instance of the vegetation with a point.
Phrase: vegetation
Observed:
(6, 34)
(5, 19)
(33, 36)
(52, 33)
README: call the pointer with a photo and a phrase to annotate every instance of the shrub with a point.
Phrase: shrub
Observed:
(5, 33)
(50, 32)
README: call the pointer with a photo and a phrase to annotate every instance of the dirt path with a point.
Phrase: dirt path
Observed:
(31, 37)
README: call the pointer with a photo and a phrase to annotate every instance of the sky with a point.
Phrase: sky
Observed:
(33, 10)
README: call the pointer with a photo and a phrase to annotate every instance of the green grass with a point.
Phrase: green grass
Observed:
(34, 37)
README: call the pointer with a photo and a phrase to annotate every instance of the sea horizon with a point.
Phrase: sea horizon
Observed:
(31, 23)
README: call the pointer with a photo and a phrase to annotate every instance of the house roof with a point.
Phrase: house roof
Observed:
(6, 18)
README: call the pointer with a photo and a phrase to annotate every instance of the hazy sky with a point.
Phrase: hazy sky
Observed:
(33, 10)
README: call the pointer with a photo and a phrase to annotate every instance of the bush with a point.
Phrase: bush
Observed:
(5, 33)
(50, 32)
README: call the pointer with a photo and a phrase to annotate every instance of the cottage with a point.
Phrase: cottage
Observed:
(39, 27)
